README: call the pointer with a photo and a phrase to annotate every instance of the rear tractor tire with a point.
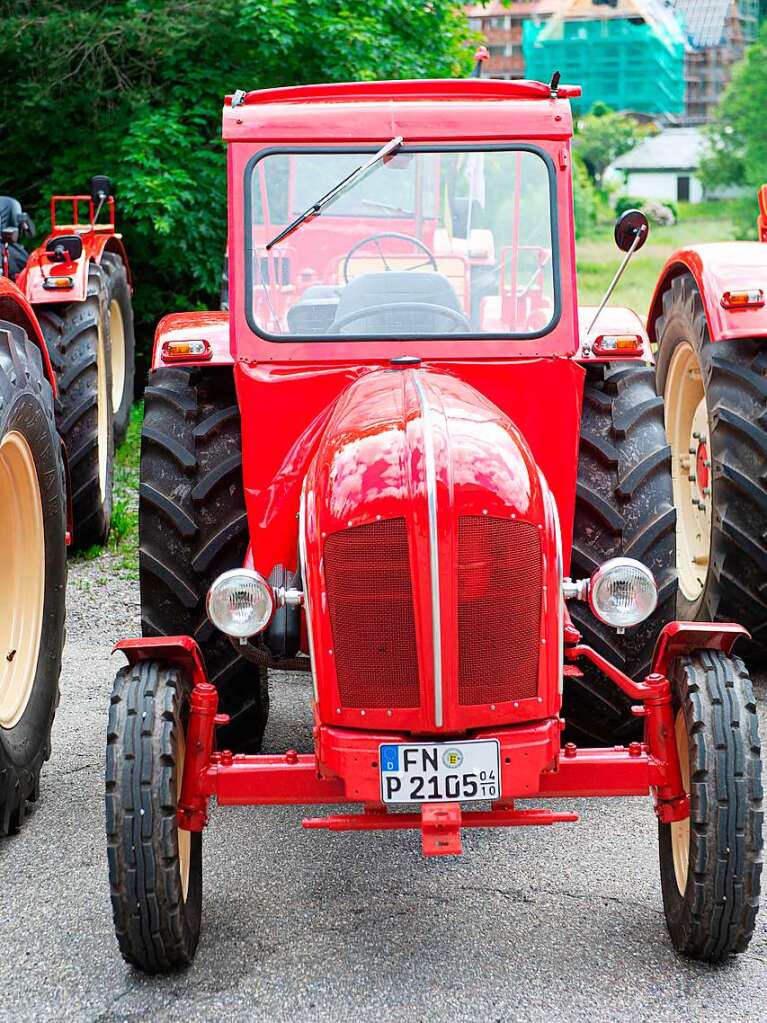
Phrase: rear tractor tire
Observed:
(79, 349)
(122, 342)
(716, 420)
(33, 572)
(155, 867)
(624, 508)
(193, 527)
(711, 862)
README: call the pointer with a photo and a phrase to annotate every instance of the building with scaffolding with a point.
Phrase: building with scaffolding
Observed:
(718, 31)
(629, 54)
(669, 59)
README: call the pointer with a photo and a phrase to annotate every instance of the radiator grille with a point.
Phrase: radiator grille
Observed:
(370, 599)
(499, 609)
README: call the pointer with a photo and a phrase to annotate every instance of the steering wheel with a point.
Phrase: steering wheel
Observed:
(376, 238)
(458, 319)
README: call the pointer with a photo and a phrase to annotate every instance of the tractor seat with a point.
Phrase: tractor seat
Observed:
(11, 219)
(10, 213)
(392, 287)
(315, 311)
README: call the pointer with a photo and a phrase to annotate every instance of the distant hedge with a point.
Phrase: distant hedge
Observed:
(134, 89)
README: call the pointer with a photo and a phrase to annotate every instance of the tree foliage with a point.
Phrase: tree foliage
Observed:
(738, 133)
(603, 136)
(134, 89)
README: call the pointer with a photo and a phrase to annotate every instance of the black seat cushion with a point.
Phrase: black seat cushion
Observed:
(10, 212)
(390, 288)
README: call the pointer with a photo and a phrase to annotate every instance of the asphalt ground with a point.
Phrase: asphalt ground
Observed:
(559, 923)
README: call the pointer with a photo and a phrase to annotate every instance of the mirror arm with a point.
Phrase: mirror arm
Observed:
(618, 274)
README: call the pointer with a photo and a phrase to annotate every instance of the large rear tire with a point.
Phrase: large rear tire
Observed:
(624, 508)
(33, 572)
(711, 862)
(716, 420)
(79, 350)
(193, 527)
(155, 867)
(122, 343)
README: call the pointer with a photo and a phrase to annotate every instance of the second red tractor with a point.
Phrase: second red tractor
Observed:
(78, 283)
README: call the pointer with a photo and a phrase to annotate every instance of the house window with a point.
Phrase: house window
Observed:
(683, 188)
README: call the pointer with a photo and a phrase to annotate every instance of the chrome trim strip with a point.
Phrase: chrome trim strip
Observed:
(430, 466)
(305, 585)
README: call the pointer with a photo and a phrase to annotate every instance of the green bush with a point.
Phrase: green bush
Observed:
(134, 89)
(585, 199)
(627, 202)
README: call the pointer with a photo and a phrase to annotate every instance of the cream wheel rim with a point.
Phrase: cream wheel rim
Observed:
(102, 412)
(184, 837)
(22, 576)
(687, 431)
(680, 830)
(117, 341)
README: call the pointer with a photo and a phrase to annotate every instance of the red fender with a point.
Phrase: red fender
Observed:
(678, 638)
(180, 650)
(212, 327)
(719, 267)
(14, 308)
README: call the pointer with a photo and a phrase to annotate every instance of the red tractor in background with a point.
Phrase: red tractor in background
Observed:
(709, 318)
(445, 496)
(78, 282)
(33, 569)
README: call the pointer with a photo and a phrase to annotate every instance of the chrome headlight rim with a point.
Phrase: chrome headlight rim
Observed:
(250, 576)
(613, 568)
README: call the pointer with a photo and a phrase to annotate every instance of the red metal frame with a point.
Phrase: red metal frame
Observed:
(96, 238)
(344, 768)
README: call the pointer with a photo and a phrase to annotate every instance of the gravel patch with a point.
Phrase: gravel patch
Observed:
(529, 924)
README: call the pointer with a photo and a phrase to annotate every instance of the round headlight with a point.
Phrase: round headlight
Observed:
(240, 603)
(623, 592)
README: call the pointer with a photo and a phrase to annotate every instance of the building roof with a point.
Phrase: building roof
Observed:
(673, 149)
(704, 20)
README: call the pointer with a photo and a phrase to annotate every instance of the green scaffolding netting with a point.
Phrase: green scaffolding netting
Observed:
(626, 63)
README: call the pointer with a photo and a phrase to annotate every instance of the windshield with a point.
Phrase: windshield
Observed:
(423, 244)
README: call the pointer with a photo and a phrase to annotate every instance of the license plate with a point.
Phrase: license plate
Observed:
(428, 772)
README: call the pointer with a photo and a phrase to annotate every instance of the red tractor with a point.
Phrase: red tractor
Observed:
(407, 464)
(79, 285)
(709, 318)
(33, 568)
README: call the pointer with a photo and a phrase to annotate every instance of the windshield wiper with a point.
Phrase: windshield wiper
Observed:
(337, 190)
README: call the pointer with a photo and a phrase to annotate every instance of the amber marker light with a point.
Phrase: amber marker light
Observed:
(189, 351)
(625, 344)
(749, 298)
(56, 283)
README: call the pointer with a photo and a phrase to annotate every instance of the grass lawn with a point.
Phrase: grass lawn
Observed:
(598, 258)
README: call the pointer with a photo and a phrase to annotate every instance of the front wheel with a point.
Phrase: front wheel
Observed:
(155, 867)
(711, 862)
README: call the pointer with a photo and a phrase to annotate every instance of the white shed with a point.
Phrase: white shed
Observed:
(663, 166)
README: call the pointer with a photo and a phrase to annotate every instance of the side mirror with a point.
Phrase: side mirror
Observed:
(101, 188)
(65, 248)
(631, 226)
